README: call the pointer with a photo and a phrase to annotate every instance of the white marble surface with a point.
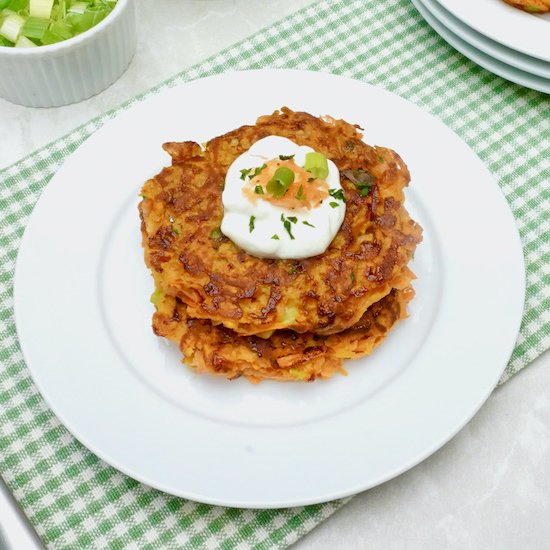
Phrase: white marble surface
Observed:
(489, 488)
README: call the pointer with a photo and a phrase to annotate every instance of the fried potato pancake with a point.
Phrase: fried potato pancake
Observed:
(286, 355)
(531, 6)
(181, 213)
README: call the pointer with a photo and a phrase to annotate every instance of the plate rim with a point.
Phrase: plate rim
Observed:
(494, 21)
(486, 61)
(296, 502)
(498, 51)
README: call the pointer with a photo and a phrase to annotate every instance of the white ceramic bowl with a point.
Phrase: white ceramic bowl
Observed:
(72, 70)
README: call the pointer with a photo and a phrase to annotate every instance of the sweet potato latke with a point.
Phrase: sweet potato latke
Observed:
(234, 314)
(531, 6)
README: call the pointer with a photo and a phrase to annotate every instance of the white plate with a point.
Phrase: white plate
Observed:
(521, 31)
(482, 59)
(83, 315)
(490, 47)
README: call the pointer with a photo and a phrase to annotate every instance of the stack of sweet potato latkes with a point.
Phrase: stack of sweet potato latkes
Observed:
(234, 314)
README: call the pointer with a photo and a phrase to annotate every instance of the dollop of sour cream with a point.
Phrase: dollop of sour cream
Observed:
(299, 224)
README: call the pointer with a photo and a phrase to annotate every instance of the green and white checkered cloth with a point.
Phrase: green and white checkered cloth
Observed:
(72, 498)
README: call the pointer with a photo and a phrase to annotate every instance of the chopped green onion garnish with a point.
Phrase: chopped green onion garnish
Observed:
(41, 8)
(364, 190)
(337, 194)
(35, 27)
(309, 180)
(17, 5)
(292, 270)
(287, 226)
(286, 157)
(11, 27)
(317, 164)
(275, 237)
(87, 20)
(51, 38)
(300, 193)
(352, 276)
(292, 219)
(251, 223)
(61, 29)
(280, 182)
(308, 224)
(48, 21)
(24, 42)
(334, 204)
(78, 7)
(244, 172)
(259, 190)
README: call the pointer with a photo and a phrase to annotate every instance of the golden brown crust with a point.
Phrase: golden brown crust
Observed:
(217, 281)
(286, 355)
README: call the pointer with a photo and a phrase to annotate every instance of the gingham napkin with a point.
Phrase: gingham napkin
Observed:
(72, 498)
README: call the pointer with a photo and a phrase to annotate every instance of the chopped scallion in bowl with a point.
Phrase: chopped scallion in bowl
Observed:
(31, 23)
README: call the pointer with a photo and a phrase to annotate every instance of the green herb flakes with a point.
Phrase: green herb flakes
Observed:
(256, 171)
(337, 194)
(287, 226)
(364, 190)
(361, 179)
(251, 172)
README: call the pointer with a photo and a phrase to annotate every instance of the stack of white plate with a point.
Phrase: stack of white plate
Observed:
(504, 40)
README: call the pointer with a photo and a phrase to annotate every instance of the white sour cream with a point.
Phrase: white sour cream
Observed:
(241, 213)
